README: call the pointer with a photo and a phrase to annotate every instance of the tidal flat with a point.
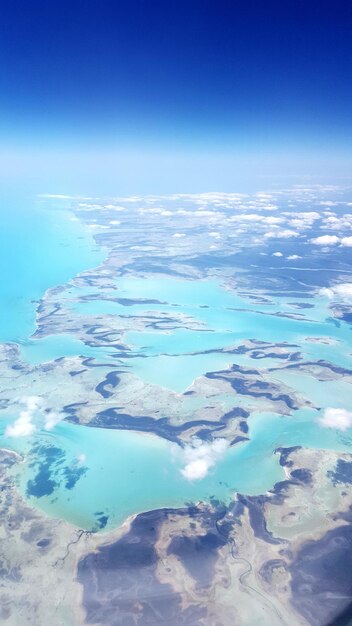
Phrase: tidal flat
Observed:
(176, 398)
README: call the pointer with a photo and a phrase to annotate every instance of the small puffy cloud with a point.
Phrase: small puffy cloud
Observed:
(178, 235)
(293, 257)
(200, 457)
(23, 426)
(247, 217)
(34, 414)
(347, 242)
(281, 234)
(325, 240)
(340, 419)
(270, 207)
(341, 222)
(304, 220)
(273, 220)
(277, 254)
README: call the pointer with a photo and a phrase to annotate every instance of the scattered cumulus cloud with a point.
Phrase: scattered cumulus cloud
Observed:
(273, 220)
(277, 254)
(332, 240)
(293, 257)
(340, 419)
(33, 415)
(200, 457)
(325, 240)
(347, 242)
(342, 290)
(281, 234)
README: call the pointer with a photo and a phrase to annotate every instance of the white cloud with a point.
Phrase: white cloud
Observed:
(178, 235)
(293, 257)
(347, 242)
(325, 240)
(340, 419)
(281, 234)
(247, 217)
(342, 290)
(200, 457)
(23, 426)
(34, 414)
(326, 292)
(51, 418)
(277, 254)
(343, 222)
(304, 220)
(273, 220)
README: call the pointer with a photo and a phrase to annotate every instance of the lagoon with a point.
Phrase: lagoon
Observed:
(95, 478)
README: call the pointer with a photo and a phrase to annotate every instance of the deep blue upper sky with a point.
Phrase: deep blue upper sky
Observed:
(226, 74)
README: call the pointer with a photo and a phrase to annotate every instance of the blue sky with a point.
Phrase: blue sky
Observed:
(142, 96)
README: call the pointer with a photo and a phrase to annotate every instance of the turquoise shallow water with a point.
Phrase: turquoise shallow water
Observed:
(127, 472)
(97, 473)
(40, 247)
(219, 318)
(37, 351)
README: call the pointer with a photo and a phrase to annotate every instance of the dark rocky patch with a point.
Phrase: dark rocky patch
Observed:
(70, 411)
(77, 372)
(319, 363)
(238, 439)
(255, 506)
(257, 388)
(303, 475)
(321, 580)
(284, 455)
(342, 472)
(198, 554)
(267, 569)
(120, 585)
(112, 418)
